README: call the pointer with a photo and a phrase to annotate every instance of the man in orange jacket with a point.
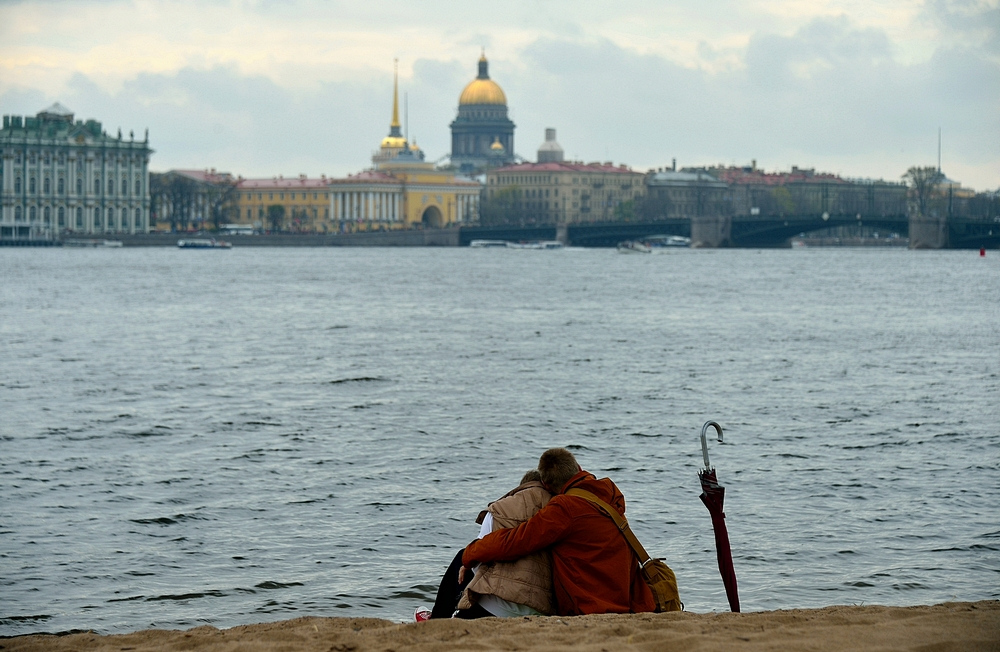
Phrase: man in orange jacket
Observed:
(593, 568)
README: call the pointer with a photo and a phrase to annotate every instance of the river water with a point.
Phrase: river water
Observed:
(229, 437)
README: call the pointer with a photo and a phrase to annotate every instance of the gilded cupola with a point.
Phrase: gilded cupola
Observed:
(482, 89)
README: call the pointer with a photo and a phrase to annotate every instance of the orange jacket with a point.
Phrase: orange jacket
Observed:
(593, 568)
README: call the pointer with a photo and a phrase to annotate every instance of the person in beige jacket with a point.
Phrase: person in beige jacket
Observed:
(506, 589)
(515, 588)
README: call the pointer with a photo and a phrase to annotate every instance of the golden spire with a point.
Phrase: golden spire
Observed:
(395, 95)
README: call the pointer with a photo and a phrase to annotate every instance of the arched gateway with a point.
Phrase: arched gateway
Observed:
(432, 218)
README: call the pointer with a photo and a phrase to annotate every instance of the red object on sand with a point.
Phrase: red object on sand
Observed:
(713, 495)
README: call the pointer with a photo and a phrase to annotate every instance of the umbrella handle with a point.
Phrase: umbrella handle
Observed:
(704, 441)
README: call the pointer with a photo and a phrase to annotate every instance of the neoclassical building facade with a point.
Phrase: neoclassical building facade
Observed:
(401, 190)
(60, 176)
(482, 136)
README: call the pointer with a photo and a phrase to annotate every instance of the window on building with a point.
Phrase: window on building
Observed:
(270, 195)
(46, 185)
(111, 218)
(17, 158)
(138, 218)
(62, 216)
(79, 186)
(97, 218)
(32, 214)
(124, 185)
(138, 186)
(281, 196)
(17, 185)
(260, 212)
(259, 197)
(79, 217)
(31, 159)
(47, 215)
(111, 186)
(293, 196)
(46, 158)
(17, 213)
(62, 186)
(97, 185)
(31, 185)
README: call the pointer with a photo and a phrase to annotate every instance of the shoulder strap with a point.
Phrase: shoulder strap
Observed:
(619, 520)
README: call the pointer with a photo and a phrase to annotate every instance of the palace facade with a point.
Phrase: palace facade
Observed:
(61, 176)
(304, 204)
(562, 192)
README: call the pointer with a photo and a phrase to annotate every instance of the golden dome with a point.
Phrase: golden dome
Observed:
(482, 89)
(397, 142)
(497, 146)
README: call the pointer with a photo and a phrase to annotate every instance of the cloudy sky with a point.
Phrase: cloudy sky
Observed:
(267, 87)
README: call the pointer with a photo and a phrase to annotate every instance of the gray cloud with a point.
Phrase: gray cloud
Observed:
(829, 95)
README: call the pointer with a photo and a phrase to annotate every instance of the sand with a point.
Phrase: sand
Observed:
(964, 626)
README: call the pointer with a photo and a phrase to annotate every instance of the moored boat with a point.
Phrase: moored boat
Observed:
(202, 243)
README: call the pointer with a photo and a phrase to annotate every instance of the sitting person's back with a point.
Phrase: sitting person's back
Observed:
(514, 588)
(594, 568)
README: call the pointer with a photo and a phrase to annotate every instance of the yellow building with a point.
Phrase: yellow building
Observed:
(401, 190)
(304, 202)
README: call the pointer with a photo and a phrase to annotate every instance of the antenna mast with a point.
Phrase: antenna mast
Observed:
(939, 150)
(406, 116)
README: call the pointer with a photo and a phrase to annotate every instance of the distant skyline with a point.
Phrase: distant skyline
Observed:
(261, 88)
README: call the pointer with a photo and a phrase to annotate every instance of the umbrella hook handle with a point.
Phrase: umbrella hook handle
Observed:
(704, 441)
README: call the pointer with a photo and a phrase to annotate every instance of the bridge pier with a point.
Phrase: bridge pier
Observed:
(928, 232)
(711, 231)
(562, 232)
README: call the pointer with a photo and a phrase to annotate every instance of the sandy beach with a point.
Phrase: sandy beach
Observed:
(958, 626)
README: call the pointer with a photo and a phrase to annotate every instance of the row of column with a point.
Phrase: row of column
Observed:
(370, 205)
(468, 208)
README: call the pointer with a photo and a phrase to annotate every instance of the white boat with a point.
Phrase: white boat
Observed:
(204, 244)
(544, 244)
(634, 247)
(662, 241)
(487, 244)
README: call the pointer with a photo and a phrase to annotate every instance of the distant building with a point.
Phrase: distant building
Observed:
(550, 151)
(805, 191)
(560, 192)
(686, 193)
(395, 143)
(60, 176)
(401, 191)
(304, 202)
(482, 136)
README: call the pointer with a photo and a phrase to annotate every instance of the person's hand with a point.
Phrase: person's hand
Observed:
(461, 574)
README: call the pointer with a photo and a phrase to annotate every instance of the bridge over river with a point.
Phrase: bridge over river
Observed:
(754, 231)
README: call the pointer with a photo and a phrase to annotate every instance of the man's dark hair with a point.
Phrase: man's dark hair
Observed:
(532, 476)
(556, 466)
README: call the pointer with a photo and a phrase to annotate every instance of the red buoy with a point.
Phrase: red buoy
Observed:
(982, 252)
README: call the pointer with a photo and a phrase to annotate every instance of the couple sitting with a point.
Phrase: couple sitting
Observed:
(543, 552)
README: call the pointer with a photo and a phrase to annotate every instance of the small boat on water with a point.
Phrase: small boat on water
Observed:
(664, 241)
(634, 247)
(488, 244)
(202, 243)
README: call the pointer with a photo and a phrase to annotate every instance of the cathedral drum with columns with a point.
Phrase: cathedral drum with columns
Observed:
(482, 136)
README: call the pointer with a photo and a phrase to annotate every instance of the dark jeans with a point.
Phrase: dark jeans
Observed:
(450, 592)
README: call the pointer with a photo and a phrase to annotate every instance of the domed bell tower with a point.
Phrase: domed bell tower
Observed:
(482, 135)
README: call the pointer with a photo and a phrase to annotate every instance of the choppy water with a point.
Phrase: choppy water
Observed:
(229, 437)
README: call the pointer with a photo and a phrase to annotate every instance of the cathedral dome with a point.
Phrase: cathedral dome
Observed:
(482, 89)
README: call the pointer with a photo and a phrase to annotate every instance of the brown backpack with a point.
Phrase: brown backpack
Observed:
(658, 576)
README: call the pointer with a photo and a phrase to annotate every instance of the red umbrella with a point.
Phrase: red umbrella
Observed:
(713, 495)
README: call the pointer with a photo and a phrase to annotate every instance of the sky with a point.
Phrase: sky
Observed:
(261, 88)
